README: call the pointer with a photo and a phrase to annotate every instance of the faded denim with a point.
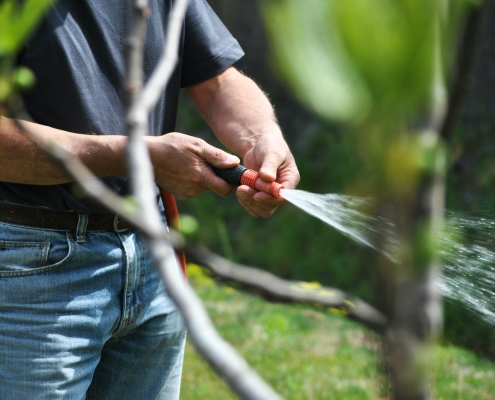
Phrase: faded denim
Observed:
(84, 319)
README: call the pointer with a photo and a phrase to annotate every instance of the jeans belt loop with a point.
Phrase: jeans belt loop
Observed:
(82, 223)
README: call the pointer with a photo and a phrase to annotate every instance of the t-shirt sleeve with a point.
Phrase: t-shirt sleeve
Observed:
(209, 48)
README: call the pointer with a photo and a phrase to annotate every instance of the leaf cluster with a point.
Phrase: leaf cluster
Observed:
(17, 21)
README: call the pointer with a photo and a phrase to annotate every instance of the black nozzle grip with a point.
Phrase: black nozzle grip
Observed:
(230, 175)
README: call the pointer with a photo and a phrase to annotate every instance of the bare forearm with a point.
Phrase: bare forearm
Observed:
(243, 119)
(236, 109)
(23, 161)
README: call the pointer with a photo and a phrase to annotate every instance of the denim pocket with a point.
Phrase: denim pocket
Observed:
(28, 251)
(18, 256)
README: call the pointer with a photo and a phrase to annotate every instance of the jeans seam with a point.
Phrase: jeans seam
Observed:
(123, 323)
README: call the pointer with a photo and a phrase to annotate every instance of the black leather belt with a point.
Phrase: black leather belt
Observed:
(67, 221)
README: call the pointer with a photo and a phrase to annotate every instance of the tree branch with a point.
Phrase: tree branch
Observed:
(279, 289)
(225, 360)
(158, 80)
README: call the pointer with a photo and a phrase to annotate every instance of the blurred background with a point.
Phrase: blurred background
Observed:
(294, 245)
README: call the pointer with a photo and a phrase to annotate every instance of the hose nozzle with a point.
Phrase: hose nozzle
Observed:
(241, 175)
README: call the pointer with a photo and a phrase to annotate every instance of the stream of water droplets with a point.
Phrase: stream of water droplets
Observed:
(468, 246)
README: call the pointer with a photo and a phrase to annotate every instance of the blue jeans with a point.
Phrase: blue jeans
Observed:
(86, 318)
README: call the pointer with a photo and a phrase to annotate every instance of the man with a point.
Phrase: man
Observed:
(83, 313)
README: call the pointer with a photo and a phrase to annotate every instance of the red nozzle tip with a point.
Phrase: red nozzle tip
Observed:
(275, 189)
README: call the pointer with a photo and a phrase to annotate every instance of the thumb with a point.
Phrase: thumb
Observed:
(217, 157)
(269, 168)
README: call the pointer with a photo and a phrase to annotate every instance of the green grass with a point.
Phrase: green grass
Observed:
(307, 352)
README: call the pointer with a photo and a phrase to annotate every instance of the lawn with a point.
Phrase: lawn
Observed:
(307, 352)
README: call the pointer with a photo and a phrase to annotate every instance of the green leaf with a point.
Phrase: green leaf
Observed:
(24, 78)
(308, 54)
(188, 224)
(18, 21)
(131, 205)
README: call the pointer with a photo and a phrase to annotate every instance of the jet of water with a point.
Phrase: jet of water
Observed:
(342, 212)
(349, 215)
(468, 267)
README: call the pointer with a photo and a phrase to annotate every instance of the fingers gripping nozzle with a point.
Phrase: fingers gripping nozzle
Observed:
(241, 175)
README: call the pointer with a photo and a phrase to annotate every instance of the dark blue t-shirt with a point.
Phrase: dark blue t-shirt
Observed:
(77, 57)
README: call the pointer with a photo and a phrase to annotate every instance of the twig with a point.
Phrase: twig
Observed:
(283, 290)
(224, 359)
(167, 63)
(140, 168)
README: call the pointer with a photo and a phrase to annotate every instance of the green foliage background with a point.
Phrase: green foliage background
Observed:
(297, 246)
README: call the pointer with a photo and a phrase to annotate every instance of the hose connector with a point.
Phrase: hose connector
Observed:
(241, 175)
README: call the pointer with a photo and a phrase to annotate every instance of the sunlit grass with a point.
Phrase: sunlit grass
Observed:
(311, 353)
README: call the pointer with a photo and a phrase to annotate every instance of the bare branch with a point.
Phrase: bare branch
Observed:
(158, 80)
(413, 302)
(225, 360)
(279, 289)
(241, 378)
(139, 164)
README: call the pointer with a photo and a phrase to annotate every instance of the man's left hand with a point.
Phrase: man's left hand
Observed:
(272, 158)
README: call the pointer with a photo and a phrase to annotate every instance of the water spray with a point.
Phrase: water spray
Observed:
(468, 269)
(241, 175)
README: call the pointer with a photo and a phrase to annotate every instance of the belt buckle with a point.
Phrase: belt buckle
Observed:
(116, 223)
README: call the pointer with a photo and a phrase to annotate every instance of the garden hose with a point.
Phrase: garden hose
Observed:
(172, 214)
(241, 175)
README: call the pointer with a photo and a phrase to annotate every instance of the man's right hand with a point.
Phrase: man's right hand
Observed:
(181, 165)
(180, 161)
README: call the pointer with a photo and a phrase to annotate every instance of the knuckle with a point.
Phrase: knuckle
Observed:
(198, 144)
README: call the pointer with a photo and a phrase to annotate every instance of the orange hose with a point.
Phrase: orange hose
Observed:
(172, 214)
(252, 179)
